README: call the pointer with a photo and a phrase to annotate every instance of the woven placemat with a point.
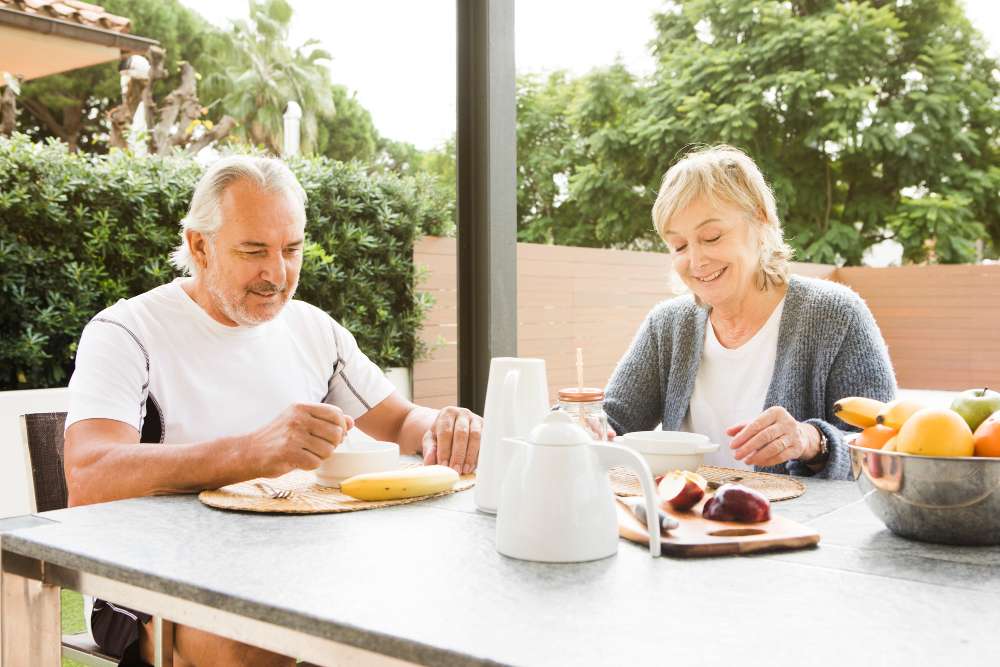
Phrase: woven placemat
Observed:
(307, 497)
(776, 487)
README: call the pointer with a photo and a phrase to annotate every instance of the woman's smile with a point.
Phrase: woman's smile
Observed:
(711, 277)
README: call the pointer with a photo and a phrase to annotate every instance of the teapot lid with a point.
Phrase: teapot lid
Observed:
(559, 429)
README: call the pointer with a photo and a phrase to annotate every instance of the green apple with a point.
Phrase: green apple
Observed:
(975, 405)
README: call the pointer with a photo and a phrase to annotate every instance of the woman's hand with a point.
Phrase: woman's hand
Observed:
(772, 438)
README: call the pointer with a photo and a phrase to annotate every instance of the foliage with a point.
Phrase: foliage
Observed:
(261, 73)
(871, 120)
(349, 134)
(72, 106)
(79, 231)
(577, 171)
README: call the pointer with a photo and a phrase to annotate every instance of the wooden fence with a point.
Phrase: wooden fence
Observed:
(942, 323)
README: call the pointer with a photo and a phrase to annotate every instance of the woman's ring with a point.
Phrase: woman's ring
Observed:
(781, 443)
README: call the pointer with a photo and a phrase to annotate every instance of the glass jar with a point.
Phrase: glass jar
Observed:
(586, 407)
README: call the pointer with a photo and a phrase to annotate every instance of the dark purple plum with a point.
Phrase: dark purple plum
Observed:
(735, 502)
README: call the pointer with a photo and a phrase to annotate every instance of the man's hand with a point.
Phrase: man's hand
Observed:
(453, 440)
(300, 437)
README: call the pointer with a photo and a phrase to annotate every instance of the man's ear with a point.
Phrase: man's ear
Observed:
(198, 244)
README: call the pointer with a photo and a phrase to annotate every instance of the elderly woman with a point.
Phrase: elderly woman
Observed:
(754, 358)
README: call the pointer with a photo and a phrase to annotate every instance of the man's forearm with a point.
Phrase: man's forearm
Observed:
(113, 471)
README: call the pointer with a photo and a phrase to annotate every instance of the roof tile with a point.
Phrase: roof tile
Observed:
(72, 11)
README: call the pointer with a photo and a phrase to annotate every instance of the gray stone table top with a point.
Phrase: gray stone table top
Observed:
(423, 582)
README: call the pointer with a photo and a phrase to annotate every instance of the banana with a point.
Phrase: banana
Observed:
(394, 484)
(858, 411)
(895, 413)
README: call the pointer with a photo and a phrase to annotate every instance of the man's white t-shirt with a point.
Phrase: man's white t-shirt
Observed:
(161, 364)
(160, 352)
(731, 386)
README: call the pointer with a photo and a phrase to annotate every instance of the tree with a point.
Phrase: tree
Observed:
(349, 134)
(170, 125)
(72, 106)
(262, 73)
(872, 120)
(578, 172)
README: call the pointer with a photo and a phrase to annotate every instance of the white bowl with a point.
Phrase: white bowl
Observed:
(356, 458)
(669, 450)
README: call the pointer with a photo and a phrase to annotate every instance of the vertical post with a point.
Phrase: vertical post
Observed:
(163, 642)
(293, 120)
(486, 193)
(30, 626)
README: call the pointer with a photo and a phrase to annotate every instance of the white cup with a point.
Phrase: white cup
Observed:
(517, 400)
(356, 458)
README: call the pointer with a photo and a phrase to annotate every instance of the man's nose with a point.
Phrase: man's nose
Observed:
(275, 270)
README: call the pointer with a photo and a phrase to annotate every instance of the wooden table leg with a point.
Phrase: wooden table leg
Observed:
(31, 623)
(1, 607)
(163, 647)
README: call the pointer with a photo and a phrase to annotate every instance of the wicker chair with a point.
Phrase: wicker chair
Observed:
(42, 434)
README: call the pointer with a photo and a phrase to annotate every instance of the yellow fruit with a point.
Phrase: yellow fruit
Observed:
(935, 432)
(875, 437)
(395, 484)
(890, 445)
(895, 413)
(858, 411)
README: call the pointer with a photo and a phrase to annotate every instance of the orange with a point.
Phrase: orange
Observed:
(874, 437)
(987, 437)
(935, 432)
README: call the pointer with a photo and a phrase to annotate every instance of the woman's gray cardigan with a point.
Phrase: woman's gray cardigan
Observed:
(829, 347)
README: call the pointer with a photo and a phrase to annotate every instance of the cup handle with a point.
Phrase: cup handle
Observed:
(613, 455)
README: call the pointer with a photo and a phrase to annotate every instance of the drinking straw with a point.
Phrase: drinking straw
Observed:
(579, 368)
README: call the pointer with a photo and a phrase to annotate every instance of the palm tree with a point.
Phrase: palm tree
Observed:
(263, 73)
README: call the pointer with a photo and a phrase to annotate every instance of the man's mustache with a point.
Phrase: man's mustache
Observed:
(267, 288)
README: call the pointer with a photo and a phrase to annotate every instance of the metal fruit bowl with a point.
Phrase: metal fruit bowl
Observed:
(947, 500)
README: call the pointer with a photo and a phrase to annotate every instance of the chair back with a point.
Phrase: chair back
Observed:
(42, 433)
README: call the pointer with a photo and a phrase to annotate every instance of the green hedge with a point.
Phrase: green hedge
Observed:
(78, 232)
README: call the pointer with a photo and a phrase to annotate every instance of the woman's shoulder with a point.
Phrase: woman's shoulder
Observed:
(673, 310)
(824, 297)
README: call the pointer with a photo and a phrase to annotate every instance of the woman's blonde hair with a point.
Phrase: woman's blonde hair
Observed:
(726, 175)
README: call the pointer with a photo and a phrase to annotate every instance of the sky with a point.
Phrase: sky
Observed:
(399, 55)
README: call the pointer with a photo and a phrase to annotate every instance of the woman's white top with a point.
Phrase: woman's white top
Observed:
(731, 386)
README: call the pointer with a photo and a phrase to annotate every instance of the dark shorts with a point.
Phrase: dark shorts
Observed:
(117, 631)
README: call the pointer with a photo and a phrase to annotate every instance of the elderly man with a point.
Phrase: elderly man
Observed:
(220, 377)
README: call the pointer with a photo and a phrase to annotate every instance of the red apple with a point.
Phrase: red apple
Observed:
(681, 489)
(735, 502)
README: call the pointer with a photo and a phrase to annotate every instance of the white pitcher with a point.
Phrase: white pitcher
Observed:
(517, 399)
(556, 504)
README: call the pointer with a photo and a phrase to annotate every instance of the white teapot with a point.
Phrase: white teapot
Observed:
(556, 504)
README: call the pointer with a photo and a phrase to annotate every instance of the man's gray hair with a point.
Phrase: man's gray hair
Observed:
(204, 215)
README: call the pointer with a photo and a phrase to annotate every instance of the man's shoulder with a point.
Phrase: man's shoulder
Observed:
(303, 314)
(134, 310)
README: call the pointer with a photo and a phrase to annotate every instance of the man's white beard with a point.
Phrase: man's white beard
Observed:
(235, 308)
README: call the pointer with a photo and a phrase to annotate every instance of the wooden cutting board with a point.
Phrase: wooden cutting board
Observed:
(696, 536)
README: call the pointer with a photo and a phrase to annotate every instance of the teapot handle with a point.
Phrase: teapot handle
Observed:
(616, 455)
